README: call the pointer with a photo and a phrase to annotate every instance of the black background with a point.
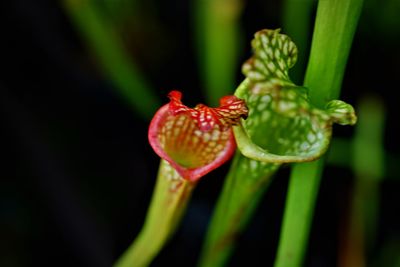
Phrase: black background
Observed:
(77, 172)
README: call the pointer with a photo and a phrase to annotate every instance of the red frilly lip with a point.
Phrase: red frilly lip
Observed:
(196, 140)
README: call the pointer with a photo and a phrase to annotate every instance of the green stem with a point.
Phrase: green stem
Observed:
(300, 201)
(169, 201)
(334, 30)
(368, 165)
(109, 50)
(217, 35)
(335, 26)
(244, 186)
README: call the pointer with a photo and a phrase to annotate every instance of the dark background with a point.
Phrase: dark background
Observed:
(77, 172)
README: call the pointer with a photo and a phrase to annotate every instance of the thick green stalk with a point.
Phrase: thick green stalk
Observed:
(300, 202)
(114, 60)
(217, 40)
(335, 26)
(235, 207)
(170, 198)
(334, 30)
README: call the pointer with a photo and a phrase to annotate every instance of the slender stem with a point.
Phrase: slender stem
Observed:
(368, 157)
(217, 35)
(244, 186)
(109, 50)
(335, 26)
(169, 201)
(368, 164)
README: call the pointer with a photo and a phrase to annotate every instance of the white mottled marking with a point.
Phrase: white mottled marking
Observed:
(311, 137)
(206, 137)
(253, 165)
(265, 116)
(266, 98)
(261, 106)
(271, 66)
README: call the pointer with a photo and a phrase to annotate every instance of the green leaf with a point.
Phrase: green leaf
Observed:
(274, 55)
(341, 112)
(282, 126)
(334, 29)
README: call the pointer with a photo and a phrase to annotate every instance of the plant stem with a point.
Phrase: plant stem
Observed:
(368, 164)
(300, 201)
(169, 201)
(114, 60)
(217, 43)
(335, 26)
(240, 196)
(334, 30)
